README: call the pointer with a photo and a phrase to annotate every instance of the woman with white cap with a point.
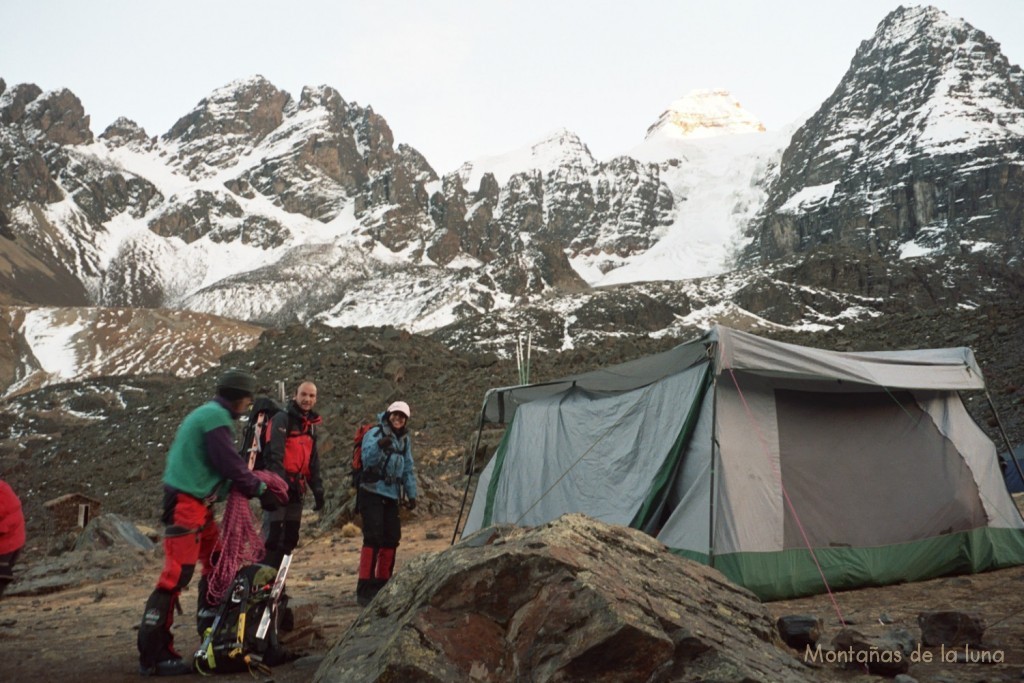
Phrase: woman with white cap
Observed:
(388, 477)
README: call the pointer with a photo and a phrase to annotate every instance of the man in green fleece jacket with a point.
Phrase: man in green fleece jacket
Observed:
(202, 464)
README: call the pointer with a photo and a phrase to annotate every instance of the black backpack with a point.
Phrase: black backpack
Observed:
(231, 644)
(257, 432)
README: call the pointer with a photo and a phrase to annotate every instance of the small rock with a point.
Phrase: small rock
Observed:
(799, 631)
(885, 656)
(951, 628)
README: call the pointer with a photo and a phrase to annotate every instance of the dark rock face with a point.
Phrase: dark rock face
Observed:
(635, 312)
(226, 124)
(316, 174)
(258, 231)
(572, 600)
(634, 200)
(195, 216)
(25, 176)
(60, 117)
(448, 211)
(103, 191)
(42, 263)
(124, 131)
(917, 144)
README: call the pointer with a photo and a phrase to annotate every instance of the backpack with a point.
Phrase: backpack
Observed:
(257, 432)
(231, 644)
(357, 452)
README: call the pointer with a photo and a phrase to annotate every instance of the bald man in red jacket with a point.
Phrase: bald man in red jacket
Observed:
(12, 533)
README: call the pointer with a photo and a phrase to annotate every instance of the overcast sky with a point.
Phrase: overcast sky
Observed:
(460, 79)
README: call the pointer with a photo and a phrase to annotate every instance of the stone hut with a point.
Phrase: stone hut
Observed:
(73, 511)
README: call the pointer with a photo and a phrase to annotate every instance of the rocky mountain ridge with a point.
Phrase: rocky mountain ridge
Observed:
(918, 150)
(264, 208)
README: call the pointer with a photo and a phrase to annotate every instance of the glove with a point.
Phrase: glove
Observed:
(385, 443)
(269, 501)
(318, 501)
(411, 504)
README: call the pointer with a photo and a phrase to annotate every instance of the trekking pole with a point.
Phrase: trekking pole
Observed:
(519, 357)
(280, 389)
(529, 345)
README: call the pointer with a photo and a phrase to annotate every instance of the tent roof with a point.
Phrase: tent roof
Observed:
(950, 369)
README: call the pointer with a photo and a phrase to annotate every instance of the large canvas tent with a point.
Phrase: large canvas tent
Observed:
(792, 470)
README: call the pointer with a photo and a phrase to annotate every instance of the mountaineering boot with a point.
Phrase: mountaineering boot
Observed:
(367, 560)
(168, 667)
(155, 640)
(369, 591)
(363, 597)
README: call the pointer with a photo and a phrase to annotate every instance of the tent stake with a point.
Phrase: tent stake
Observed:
(1006, 440)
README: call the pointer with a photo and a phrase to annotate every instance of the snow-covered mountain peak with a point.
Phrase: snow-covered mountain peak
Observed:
(929, 103)
(907, 27)
(960, 86)
(703, 114)
(559, 149)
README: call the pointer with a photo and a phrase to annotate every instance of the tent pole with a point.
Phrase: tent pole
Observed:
(472, 467)
(1006, 440)
(712, 353)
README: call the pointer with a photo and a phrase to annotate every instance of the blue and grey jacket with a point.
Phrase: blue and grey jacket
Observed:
(385, 475)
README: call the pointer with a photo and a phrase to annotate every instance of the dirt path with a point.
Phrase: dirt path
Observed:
(87, 634)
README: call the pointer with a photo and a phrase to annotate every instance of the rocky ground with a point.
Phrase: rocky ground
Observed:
(87, 633)
(56, 443)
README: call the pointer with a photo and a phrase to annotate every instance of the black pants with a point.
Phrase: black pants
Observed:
(382, 530)
(381, 525)
(281, 531)
(7, 561)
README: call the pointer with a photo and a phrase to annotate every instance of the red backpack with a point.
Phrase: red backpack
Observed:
(357, 451)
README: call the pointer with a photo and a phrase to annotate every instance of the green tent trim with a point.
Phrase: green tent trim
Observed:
(499, 460)
(648, 517)
(793, 573)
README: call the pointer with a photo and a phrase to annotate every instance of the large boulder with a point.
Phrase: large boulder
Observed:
(573, 600)
(110, 531)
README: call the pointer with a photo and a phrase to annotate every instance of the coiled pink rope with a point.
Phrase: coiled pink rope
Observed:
(240, 543)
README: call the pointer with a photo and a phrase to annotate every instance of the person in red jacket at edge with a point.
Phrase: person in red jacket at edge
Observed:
(292, 455)
(12, 533)
(202, 464)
